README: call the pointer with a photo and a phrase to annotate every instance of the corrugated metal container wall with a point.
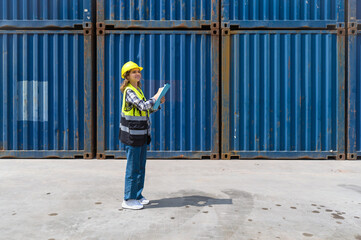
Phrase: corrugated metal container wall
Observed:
(158, 13)
(44, 13)
(354, 11)
(45, 94)
(187, 126)
(354, 96)
(283, 94)
(283, 14)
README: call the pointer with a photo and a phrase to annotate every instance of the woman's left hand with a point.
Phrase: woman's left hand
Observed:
(162, 100)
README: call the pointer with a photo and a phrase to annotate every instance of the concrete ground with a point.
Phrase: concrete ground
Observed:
(81, 199)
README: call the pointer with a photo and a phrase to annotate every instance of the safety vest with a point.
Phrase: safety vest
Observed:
(133, 128)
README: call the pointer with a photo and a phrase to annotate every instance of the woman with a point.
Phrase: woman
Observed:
(135, 133)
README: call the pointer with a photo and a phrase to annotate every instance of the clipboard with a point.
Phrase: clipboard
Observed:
(165, 90)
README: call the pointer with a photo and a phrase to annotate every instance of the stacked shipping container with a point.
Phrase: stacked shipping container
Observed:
(283, 87)
(188, 59)
(285, 92)
(46, 79)
(283, 14)
(32, 14)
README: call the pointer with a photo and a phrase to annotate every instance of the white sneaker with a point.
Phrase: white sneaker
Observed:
(132, 204)
(143, 201)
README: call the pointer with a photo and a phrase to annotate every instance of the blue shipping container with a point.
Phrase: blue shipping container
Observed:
(354, 96)
(283, 95)
(44, 13)
(45, 92)
(158, 13)
(282, 14)
(187, 126)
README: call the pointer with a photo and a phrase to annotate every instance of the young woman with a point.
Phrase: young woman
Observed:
(135, 133)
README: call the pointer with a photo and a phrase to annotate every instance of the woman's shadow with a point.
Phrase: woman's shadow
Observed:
(194, 200)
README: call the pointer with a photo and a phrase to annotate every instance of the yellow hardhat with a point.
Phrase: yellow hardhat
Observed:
(129, 66)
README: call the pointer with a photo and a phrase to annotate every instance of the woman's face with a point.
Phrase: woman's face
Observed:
(134, 76)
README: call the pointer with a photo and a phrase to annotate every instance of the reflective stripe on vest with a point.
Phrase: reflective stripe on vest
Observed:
(134, 118)
(133, 132)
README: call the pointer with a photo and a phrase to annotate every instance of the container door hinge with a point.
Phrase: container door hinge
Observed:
(352, 156)
(225, 29)
(215, 28)
(100, 156)
(100, 29)
(352, 28)
(341, 156)
(87, 28)
(341, 30)
(88, 155)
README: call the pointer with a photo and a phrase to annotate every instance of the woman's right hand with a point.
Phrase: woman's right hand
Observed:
(160, 90)
(156, 96)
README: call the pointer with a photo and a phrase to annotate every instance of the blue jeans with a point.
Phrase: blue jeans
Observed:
(135, 172)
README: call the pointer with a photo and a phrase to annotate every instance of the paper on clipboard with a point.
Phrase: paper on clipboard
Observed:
(164, 91)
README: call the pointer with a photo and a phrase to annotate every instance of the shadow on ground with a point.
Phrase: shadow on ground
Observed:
(194, 200)
(351, 187)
